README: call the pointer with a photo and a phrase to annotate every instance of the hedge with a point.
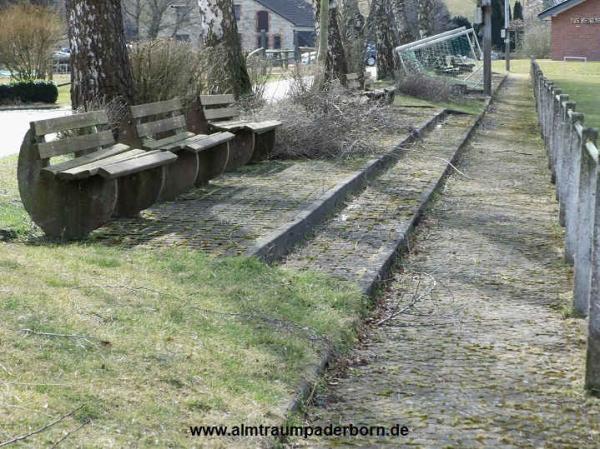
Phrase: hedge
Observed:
(28, 92)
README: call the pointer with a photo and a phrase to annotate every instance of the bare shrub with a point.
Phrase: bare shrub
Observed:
(326, 124)
(164, 68)
(426, 87)
(28, 34)
(536, 40)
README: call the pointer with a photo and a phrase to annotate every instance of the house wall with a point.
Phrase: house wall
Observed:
(277, 26)
(577, 39)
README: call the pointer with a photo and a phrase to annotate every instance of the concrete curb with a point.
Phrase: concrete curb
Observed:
(280, 242)
(369, 284)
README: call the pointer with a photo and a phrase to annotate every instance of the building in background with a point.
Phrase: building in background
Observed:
(280, 23)
(575, 26)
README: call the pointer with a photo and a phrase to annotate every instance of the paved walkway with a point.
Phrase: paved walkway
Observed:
(472, 350)
(15, 123)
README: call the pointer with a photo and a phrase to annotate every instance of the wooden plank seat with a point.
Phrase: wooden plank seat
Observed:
(70, 198)
(254, 141)
(162, 126)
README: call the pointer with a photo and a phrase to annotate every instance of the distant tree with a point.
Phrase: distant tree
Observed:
(497, 23)
(425, 17)
(28, 35)
(518, 11)
(148, 18)
(100, 70)
(460, 21)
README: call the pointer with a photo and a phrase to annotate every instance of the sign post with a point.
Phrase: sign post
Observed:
(487, 46)
(507, 34)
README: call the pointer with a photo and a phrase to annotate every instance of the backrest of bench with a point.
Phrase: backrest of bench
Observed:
(219, 107)
(91, 139)
(159, 119)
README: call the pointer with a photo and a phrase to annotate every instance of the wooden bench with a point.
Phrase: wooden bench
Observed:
(162, 126)
(254, 141)
(70, 198)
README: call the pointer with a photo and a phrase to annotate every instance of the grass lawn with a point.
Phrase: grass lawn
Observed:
(580, 80)
(464, 8)
(144, 343)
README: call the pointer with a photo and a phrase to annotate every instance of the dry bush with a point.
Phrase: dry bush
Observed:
(163, 69)
(330, 124)
(426, 87)
(28, 35)
(536, 39)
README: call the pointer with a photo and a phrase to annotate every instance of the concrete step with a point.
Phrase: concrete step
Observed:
(359, 243)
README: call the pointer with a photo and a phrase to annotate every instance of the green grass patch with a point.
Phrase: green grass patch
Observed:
(145, 343)
(581, 81)
(468, 105)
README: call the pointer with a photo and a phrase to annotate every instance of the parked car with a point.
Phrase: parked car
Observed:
(371, 55)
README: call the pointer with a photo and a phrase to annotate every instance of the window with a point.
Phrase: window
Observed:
(259, 41)
(262, 21)
(277, 42)
(237, 11)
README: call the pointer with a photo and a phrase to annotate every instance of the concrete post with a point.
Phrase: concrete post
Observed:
(565, 122)
(572, 161)
(487, 46)
(592, 371)
(586, 203)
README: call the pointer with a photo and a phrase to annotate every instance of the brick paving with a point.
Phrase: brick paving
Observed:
(352, 245)
(472, 349)
(228, 217)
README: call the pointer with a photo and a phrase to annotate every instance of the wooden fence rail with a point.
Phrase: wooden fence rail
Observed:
(573, 158)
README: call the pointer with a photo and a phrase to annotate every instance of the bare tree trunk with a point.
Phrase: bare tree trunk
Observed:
(219, 31)
(100, 70)
(425, 17)
(381, 20)
(401, 29)
(354, 37)
(331, 54)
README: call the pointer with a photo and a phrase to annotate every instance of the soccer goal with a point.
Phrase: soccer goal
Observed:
(455, 53)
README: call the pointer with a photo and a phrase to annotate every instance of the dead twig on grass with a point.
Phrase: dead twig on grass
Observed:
(71, 432)
(41, 429)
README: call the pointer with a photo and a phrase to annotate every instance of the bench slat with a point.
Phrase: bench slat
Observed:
(159, 107)
(161, 126)
(88, 158)
(75, 144)
(76, 121)
(201, 142)
(214, 100)
(168, 142)
(221, 113)
(145, 161)
(257, 127)
(91, 169)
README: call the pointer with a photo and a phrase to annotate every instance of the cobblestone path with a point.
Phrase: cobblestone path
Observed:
(354, 245)
(227, 217)
(472, 349)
